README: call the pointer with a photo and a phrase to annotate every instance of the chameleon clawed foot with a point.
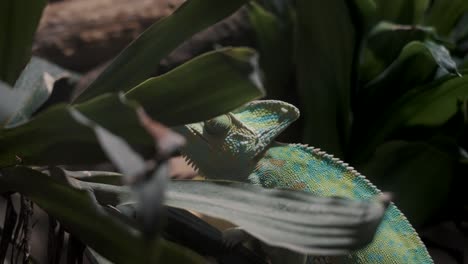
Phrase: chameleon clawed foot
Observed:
(235, 236)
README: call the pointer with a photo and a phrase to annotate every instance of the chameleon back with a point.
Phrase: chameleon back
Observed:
(300, 167)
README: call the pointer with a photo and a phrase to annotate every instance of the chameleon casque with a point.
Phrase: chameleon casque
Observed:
(240, 146)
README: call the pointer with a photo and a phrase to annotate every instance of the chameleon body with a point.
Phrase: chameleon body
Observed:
(240, 146)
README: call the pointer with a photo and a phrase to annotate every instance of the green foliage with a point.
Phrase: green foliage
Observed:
(325, 56)
(18, 22)
(33, 87)
(371, 73)
(169, 98)
(299, 228)
(66, 134)
(379, 83)
(112, 121)
(84, 217)
(402, 11)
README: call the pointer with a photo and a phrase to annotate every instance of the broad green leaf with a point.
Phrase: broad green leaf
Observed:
(206, 86)
(33, 88)
(69, 142)
(418, 174)
(149, 189)
(412, 71)
(289, 219)
(442, 57)
(127, 160)
(460, 34)
(366, 12)
(410, 12)
(384, 44)
(434, 106)
(274, 41)
(416, 65)
(89, 221)
(444, 14)
(189, 93)
(325, 55)
(18, 22)
(139, 60)
(430, 105)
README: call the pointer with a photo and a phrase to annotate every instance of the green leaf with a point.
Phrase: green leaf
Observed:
(460, 34)
(417, 173)
(32, 89)
(149, 189)
(408, 12)
(275, 45)
(436, 105)
(386, 41)
(69, 142)
(430, 105)
(366, 12)
(139, 60)
(127, 160)
(289, 219)
(18, 22)
(443, 15)
(410, 73)
(187, 94)
(206, 86)
(89, 221)
(442, 57)
(415, 66)
(325, 55)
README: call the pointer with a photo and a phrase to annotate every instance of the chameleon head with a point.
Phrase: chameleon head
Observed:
(226, 146)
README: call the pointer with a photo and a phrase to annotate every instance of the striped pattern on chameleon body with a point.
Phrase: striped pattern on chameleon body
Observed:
(300, 167)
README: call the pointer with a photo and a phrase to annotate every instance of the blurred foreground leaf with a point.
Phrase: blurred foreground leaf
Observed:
(86, 219)
(289, 219)
(207, 86)
(31, 90)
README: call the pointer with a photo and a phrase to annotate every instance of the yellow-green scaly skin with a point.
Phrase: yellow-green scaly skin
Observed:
(243, 149)
(319, 173)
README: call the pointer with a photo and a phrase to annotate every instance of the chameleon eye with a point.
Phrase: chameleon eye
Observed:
(218, 126)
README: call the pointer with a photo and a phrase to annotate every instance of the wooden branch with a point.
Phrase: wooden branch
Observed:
(81, 34)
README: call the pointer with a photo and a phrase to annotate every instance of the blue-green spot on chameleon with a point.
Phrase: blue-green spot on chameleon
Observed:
(240, 146)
